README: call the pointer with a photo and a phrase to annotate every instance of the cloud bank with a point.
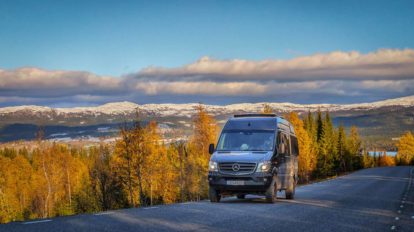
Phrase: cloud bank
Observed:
(331, 77)
(382, 64)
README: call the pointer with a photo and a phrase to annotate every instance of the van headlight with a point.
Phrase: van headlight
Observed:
(212, 166)
(264, 166)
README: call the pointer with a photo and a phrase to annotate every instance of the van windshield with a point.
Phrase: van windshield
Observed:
(246, 140)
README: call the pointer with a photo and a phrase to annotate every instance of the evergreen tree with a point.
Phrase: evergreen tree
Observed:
(311, 126)
(342, 150)
(354, 147)
(319, 126)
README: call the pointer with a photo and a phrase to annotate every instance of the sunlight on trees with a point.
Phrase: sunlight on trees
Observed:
(138, 170)
(405, 147)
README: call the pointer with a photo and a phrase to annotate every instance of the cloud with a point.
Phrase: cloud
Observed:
(35, 82)
(202, 88)
(331, 77)
(382, 64)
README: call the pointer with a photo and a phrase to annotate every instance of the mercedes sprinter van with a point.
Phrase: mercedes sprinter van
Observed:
(255, 154)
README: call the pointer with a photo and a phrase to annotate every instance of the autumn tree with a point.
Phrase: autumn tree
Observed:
(6, 206)
(124, 159)
(106, 185)
(368, 161)
(155, 167)
(178, 156)
(385, 161)
(405, 147)
(307, 153)
(20, 177)
(204, 132)
(354, 146)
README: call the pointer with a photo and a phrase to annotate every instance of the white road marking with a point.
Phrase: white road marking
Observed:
(151, 208)
(412, 217)
(103, 213)
(392, 227)
(399, 211)
(397, 218)
(33, 222)
(401, 206)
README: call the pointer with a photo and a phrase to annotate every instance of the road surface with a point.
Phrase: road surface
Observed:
(378, 199)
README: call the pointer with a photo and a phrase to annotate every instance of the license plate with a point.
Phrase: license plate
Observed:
(235, 182)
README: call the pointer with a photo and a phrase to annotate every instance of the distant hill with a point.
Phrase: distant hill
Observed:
(377, 120)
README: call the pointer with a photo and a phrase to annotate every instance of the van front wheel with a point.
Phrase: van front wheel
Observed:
(213, 195)
(271, 192)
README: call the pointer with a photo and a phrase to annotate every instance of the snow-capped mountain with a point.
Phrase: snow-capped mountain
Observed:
(385, 119)
(186, 110)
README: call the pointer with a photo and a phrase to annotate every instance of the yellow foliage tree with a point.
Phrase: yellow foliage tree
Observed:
(406, 148)
(307, 153)
(7, 212)
(385, 161)
(20, 176)
(205, 132)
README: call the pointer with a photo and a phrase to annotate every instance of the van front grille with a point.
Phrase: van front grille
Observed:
(236, 168)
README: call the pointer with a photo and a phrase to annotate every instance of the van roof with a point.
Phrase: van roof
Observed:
(253, 115)
(257, 122)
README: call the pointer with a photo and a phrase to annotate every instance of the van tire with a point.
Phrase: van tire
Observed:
(290, 191)
(241, 196)
(271, 192)
(213, 195)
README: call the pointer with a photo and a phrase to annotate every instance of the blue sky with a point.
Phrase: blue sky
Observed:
(116, 38)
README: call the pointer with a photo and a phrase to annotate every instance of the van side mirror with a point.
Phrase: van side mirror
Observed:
(211, 148)
(282, 149)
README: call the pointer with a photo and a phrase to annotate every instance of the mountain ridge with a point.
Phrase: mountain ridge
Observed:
(377, 121)
(167, 109)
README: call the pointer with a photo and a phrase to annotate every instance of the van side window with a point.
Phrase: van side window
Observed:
(294, 143)
(287, 140)
(283, 138)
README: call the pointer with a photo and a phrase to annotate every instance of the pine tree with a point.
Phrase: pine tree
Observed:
(331, 140)
(354, 148)
(342, 149)
(325, 162)
(310, 126)
(319, 126)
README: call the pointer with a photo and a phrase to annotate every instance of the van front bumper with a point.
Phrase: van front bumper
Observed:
(255, 182)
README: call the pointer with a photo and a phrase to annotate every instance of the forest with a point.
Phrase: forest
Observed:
(137, 170)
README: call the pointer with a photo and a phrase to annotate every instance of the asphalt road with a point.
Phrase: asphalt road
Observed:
(379, 199)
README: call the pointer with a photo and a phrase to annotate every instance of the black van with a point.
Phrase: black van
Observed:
(255, 154)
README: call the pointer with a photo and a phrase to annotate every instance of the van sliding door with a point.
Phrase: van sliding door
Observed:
(286, 161)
